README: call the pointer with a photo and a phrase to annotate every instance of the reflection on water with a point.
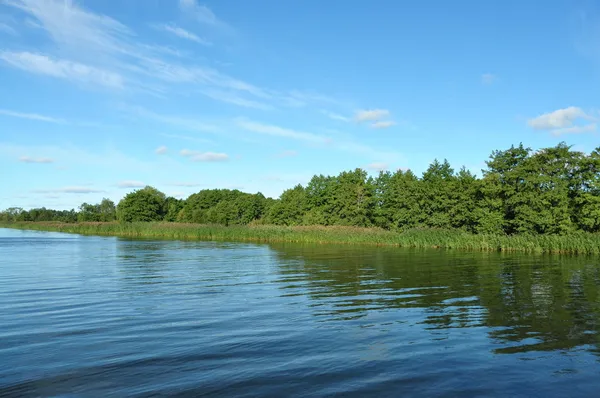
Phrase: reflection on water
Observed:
(528, 303)
(91, 316)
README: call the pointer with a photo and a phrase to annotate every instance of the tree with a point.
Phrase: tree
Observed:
(290, 208)
(147, 204)
(107, 210)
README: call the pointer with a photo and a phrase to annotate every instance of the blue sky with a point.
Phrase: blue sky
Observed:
(101, 97)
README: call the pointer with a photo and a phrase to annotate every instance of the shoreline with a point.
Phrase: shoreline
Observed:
(576, 243)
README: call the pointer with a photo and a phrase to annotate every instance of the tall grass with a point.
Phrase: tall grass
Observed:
(576, 243)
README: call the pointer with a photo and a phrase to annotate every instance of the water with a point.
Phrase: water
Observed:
(98, 317)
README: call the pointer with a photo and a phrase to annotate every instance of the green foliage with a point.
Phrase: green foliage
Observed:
(552, 191)
(147, 204)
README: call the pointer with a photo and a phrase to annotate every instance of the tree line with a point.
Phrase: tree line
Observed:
(553, 190)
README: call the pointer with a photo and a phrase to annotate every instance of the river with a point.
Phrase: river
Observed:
(85, 316)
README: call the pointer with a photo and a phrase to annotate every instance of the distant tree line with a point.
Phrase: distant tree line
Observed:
(550, 191)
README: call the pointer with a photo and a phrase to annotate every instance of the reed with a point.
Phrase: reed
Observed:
(575, 243)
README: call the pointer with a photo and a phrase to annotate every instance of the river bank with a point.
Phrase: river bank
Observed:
(577, 243)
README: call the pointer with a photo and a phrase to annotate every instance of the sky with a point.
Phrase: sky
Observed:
(98, 98)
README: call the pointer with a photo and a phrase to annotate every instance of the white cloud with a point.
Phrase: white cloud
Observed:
(97, 49)
(277, 131)
(182, 122)
(201, 13)
(335, 116)
(72, 156)
(233, 98)
(301, 98)
(161, 150)
(73, 189)
(383, 124)
(28, 159)
(588, 128)
(7, 29)
(182, 33)
(369, 115)
(131, 184)
(187, 138)
(31, 116)
(378, 166)
(488, 78)
(562, 121)
(178, 195)
(63, 69)
(197, 156)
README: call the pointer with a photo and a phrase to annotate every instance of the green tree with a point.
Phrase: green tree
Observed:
(147, 204)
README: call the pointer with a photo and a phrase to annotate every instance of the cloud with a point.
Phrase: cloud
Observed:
(201, 13)
(488, 78)
(31, 116)
(235, 99)
(335, 116)
(98, 50)
(182, 33)
(383, 124)
(277, 131)
(27, 159)
(588, 128)
(196, 156)
(62, 69)
(302, 98)
(131, 184)
(73, 190)
(378, 166)
(369, 115)
(562, 121)
(287, 154)
(161, 150)
(182, 122)
(7, 29)
(187, 138)
(108, 160)
(178, 195)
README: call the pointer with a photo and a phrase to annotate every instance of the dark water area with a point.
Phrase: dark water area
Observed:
(99, 317)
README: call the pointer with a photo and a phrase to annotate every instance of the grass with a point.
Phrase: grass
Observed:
(576, 243)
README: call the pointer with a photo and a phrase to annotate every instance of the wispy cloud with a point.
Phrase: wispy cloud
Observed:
(335, 116)
(62, 69)
(161, 150)
(72, 190)
(6, 28)
(235, 99)
(182, 33)
(31, 116)
(202, 14)
(371, 115)
(187, 138)
(131, 184)
(109, 160)
(588, 128)
(488, 78)
(28, 159)
(277, 131)
(383, 124)
(178, 121)
(563, 121)
(197, 156)
(378, 166)
(98, 50)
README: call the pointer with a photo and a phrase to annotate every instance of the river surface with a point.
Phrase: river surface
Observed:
(102, 316)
